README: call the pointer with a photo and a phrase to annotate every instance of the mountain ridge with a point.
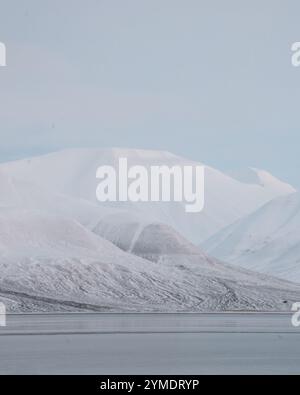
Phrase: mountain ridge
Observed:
(267, 240)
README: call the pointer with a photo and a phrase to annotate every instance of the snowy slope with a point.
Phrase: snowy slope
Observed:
(137, 235)
(160, 239)
(51, 263)
(17, 193)
(267, 240)
(72, 173)
(61, 250)
(252, 175)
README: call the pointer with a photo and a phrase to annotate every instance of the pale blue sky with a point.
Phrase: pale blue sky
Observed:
(207, 79)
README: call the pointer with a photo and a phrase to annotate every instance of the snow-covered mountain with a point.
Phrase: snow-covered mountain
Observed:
(267, 240)
(53, 263)
(62, 250)
(72, 173)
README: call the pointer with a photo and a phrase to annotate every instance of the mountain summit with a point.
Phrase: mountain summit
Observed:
(73, 173)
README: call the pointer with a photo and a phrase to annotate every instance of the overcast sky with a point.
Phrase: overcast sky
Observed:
(210, 80)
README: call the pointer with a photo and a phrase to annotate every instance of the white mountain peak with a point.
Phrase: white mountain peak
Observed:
(267, 240)
(57, 243)
(72, 173)
(255, 176)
